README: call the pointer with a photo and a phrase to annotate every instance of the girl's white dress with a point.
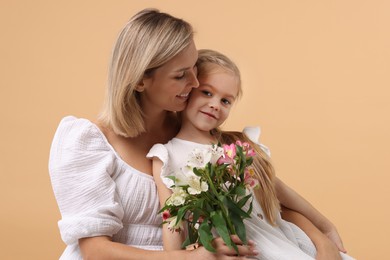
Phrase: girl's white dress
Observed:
(98, 193)
(286, 241)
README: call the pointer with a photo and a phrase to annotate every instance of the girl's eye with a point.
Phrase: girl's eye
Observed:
(225, 101)
(206, 93)
(181, 76)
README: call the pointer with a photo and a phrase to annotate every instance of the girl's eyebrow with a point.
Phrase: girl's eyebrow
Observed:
(210, 86)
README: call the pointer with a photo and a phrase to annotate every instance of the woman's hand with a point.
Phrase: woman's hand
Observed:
(224, 252)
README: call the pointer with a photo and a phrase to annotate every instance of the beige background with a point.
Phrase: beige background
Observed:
(315, 74)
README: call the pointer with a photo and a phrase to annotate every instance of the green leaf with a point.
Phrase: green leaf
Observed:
(242, 201)
(249, 161)
(240, 190)
(198, 172)
(221, 227)
(205, 236)
(250, 208)
(233, 207)
(182, 211)
(192, 236)
(239, 226)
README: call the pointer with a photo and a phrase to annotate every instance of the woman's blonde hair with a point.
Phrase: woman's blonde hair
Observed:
(149, 40)
(264, 171)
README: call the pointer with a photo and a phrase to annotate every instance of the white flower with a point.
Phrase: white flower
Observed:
(199, 158)
(197, 186)
(216, 153)
(178, 196)
(187, 177)
(173, 225)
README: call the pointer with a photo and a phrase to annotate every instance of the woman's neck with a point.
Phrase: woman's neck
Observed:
(160, 126)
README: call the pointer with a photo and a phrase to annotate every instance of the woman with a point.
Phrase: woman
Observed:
(100, 174)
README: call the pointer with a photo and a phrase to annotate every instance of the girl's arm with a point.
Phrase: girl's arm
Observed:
(292, 200)
(171, 240)
(326, 249)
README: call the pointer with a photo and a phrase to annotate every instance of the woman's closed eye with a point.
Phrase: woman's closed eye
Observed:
(182, 76)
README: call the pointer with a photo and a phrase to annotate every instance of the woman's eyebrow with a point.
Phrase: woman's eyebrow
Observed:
(182, 69)
(186, 68)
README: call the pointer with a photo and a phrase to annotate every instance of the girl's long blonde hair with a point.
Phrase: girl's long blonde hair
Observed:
(264, 171)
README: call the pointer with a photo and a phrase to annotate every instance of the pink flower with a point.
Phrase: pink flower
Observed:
(225, 160)
(166, 214)
(230, 150)
(251, 153)
(249, 180)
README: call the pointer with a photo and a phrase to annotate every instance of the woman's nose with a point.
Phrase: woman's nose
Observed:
(194, 78)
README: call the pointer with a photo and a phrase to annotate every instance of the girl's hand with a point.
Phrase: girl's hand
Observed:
(333, 235)
(327, 250)
(224, 252)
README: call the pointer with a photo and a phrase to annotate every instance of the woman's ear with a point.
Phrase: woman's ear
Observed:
(142, 85)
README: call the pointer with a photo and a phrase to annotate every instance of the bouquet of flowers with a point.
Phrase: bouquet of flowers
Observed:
(209, 194)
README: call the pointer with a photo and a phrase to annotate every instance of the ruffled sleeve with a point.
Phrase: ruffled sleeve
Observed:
(81, 167)
(253, 133)
(161, 152)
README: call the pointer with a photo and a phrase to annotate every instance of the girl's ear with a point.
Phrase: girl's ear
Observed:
(140, 87)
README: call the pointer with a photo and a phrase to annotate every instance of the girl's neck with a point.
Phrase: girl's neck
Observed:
(196, 135)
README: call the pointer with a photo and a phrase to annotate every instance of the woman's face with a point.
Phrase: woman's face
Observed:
(169, 85)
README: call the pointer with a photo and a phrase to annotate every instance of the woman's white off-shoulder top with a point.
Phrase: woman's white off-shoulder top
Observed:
(98, 193)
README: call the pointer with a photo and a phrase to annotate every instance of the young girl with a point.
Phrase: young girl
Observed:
(208, 107)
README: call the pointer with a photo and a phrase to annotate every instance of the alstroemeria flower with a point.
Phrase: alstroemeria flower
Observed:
(173, 226)
(196, 184)
(249, 179)
(216, 153)
(229, 154)
(230, 150)
(199, 158)
(251, 153)
(178, 196)
(246, 148)
(166, 214)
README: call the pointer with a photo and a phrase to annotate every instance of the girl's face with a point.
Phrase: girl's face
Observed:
(210, 104)
(169, 85)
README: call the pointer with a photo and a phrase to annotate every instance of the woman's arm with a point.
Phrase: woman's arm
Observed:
(292, 200)
(102, 248)
(326, 249)
(171, 240)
